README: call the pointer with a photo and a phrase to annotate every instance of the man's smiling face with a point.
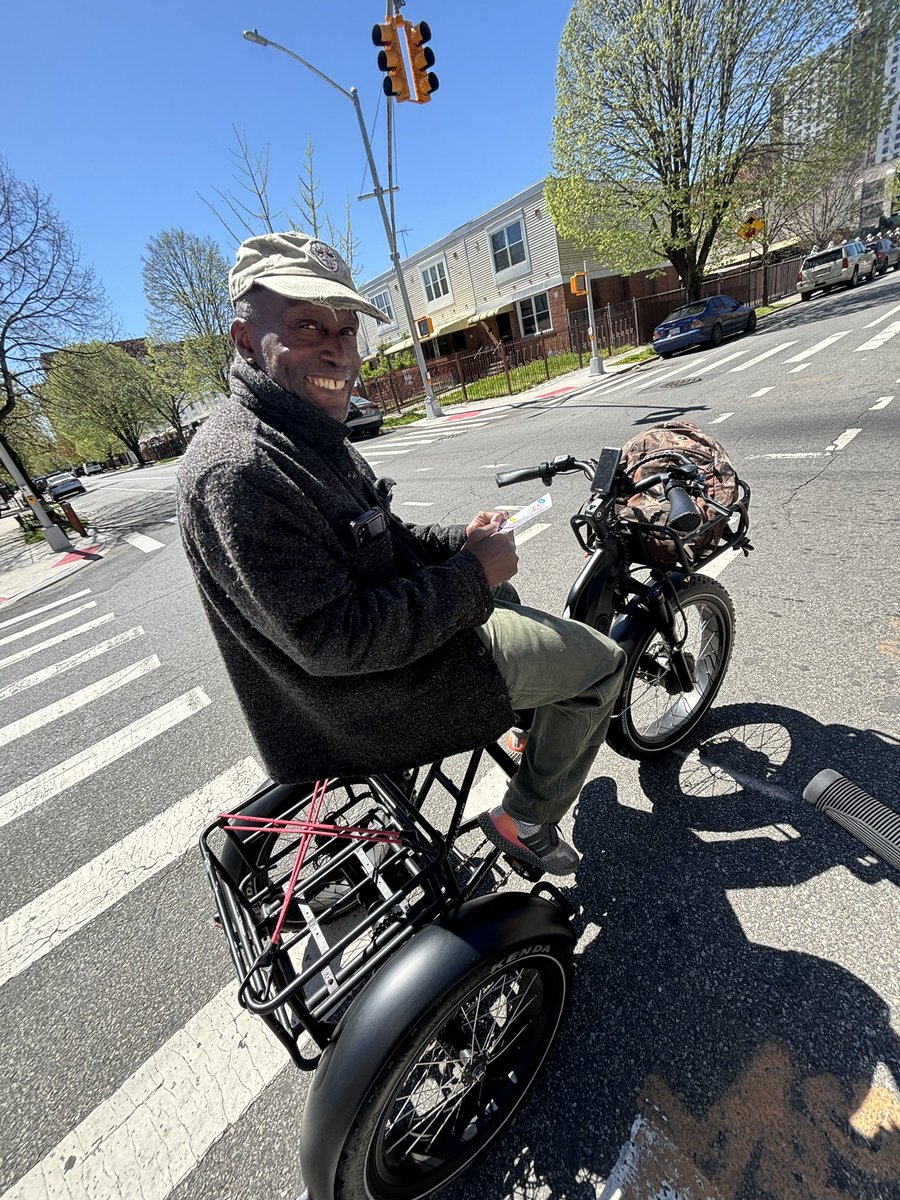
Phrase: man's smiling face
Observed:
(305, 348)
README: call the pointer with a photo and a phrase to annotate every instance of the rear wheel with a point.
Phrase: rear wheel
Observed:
(751, 321)
(654, 713)
(459, 1080)
(806, 295)
(715, 337)
(854, 278)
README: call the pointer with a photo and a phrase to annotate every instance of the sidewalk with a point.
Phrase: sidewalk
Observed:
(26, 568)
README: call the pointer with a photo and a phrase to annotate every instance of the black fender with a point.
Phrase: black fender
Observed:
(392, 1005)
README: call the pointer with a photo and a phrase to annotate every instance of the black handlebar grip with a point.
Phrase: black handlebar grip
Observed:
(505, 478)
(684, 516)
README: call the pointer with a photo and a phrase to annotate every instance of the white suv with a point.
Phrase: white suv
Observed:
(847, 262)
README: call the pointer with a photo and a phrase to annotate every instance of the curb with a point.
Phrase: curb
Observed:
(51, 579)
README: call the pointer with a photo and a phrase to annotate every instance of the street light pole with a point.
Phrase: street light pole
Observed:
(432, 406)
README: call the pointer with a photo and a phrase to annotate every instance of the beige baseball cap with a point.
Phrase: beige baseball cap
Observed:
(299, 267)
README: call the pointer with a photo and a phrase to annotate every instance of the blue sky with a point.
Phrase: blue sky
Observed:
(123, 113)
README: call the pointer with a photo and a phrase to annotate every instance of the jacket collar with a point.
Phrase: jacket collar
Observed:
(285, 411)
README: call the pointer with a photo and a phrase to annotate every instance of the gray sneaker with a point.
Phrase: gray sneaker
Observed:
(539, 845)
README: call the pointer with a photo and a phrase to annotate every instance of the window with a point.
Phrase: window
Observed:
(535, 315)
(508, 247)
(435, 279)
(383, 301)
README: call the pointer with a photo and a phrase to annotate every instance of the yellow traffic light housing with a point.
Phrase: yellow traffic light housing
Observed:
(578, 284)
(424, 327)
(390, 58)
(421, 60)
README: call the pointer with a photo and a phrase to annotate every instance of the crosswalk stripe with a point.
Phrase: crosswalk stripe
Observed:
(44, 608)
(24, 633)
(43, 787)
(884, 316)
(67, 664)
(153, 1131)
(751, 362)
(878, 340)
(76, 700)
(723, 417)
(844, 440)
(140, 541)
(528, 534)
(882, 402)
(829, 341)
(42, 924)
(55, 641)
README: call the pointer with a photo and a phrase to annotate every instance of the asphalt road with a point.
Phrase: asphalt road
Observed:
(734, 1031)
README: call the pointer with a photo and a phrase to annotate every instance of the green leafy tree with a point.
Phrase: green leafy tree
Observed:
(172, 383)
(100, 393)
(186, 285)
(663, 109)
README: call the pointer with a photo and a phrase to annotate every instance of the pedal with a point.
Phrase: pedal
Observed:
(526, 870)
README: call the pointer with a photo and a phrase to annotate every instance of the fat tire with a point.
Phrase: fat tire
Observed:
(361, 1172)
(621, 736)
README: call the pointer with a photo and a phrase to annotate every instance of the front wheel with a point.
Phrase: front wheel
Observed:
(453, 1085)
(751, 321)
(653, 713)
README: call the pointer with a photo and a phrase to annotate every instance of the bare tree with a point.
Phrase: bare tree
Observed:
(309, 203)
(48, 298)
(186, 285)
(253, 215)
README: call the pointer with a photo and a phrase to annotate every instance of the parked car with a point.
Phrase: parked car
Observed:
(364, 419)
(705, 322)
(92, 468)
(846, 263)
(61, 484)
(887, 254)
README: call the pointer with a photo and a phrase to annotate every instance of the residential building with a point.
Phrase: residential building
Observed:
(503, 275)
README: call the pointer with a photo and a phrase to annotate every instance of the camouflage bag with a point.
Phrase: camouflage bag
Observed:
(644, 455)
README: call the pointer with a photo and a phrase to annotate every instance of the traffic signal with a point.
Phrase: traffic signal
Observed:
(578, 284)
(424, 327)
(390, 59)
(421, 60)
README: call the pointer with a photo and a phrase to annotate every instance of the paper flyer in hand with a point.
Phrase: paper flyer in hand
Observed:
(528, 513)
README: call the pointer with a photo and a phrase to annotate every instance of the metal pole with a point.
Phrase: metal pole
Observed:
(595, 367)
(55, 536)
(432, 407)
(749, 275)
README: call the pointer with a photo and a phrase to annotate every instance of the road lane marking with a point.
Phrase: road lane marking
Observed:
(522, 538)
(74, 660)
(417, 441)
(75, 700)
(149, 1135)
(884, 316)
(23, 633)
(882, 402)
(41, 925)
(829, 341)
(141, 542)
(844, 440)
(802, 367)
(751, 362)
(54, 641)
(801, 454)
(874, 343)
(719, 420)
(761, 392)
(417, 504)
(44, 608)
(386, 453)
(43, 787)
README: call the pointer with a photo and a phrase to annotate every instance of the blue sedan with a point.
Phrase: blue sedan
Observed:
(704, 323)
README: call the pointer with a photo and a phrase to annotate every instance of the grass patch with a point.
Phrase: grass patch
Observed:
(637, 356)
(407, 418)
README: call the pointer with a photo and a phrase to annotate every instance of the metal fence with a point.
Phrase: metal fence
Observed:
(763, 285)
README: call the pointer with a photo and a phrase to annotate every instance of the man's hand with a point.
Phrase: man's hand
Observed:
(495, 551)
(484, 519)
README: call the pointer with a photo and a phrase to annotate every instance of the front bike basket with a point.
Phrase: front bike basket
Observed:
(313, 900)
(659, 545)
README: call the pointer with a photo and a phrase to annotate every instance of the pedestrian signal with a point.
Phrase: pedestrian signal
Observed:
(424, 327)
(578, 284)
(390, 59)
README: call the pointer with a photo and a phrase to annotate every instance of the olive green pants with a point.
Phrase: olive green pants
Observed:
(570, 675)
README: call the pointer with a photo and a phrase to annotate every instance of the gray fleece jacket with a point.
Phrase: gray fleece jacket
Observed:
(345, 659)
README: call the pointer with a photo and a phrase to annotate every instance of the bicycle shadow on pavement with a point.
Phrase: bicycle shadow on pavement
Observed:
(694, 1058)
